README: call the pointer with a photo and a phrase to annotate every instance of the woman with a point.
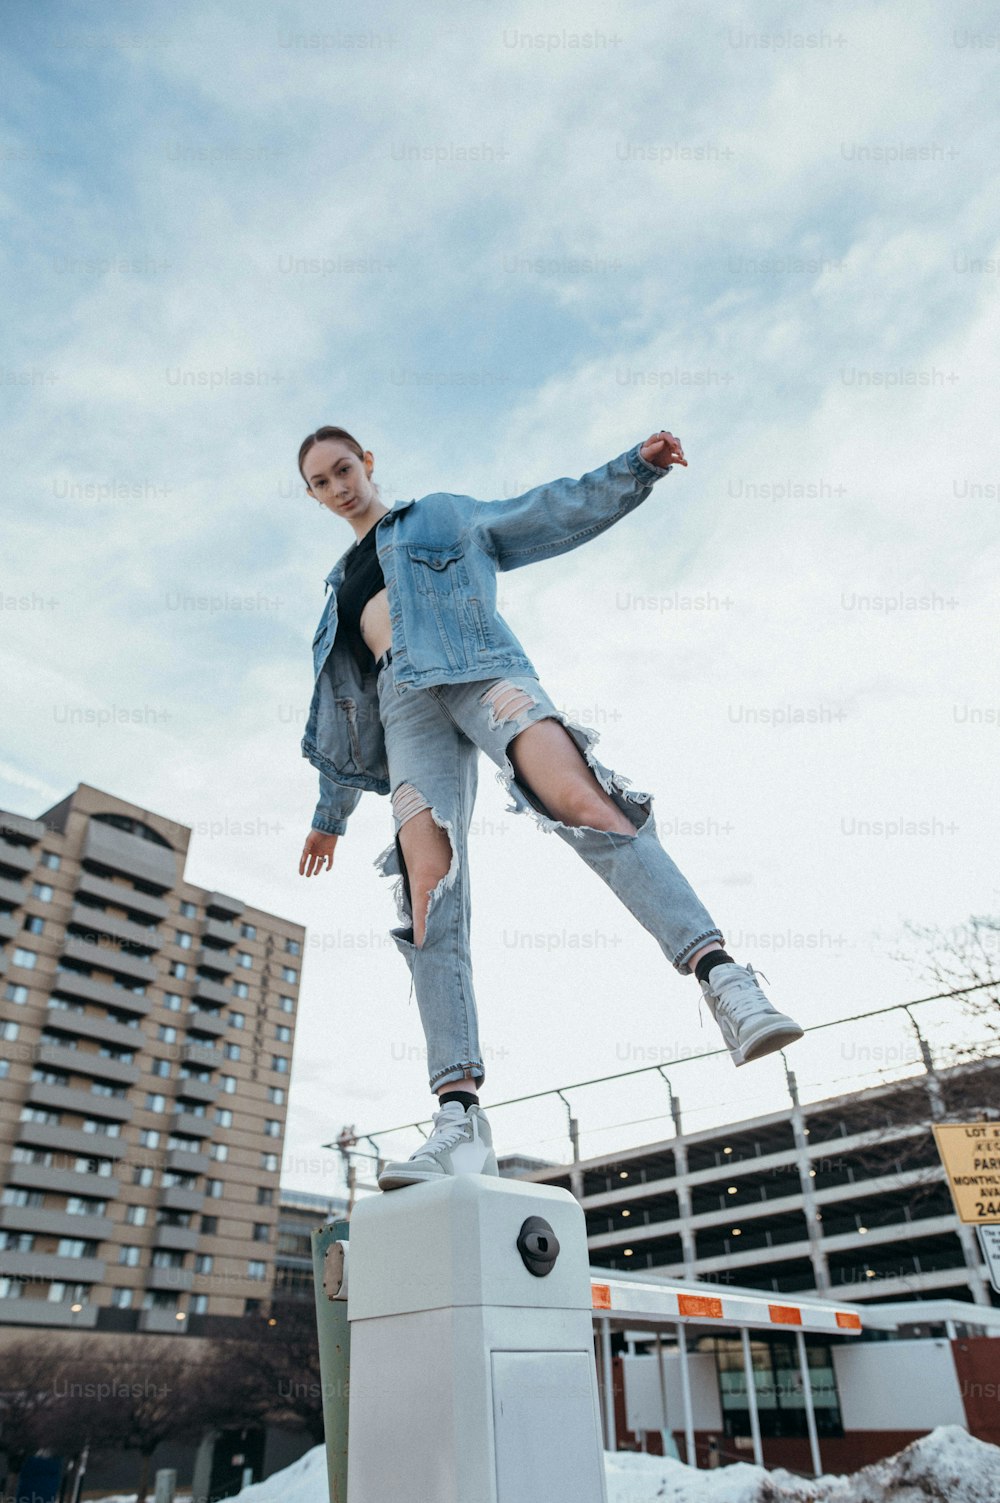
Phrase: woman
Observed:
(415, 673)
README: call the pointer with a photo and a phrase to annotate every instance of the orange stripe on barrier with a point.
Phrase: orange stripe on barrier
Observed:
(699, 1304)
(785, 1315)
(600, 1296)
(849, 1320)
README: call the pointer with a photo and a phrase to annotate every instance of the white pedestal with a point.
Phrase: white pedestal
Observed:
(472, 1379)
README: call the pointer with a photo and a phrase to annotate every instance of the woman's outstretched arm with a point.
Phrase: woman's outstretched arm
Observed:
(560, 515)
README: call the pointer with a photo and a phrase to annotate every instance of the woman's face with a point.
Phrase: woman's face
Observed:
(339, 479)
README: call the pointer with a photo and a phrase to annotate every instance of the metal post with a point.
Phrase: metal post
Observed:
(665, 1431)
(690, 1455)
(610, 1429)
(575, 1174)
(800, 1341)
(334, 1335)
(758, 1449)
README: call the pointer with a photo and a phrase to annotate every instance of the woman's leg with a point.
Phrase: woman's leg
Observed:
(433, 776)
(549, 768)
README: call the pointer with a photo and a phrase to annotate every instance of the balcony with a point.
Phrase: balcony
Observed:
(55, 1223)
(94, 921)
(179, 1161)
(110, 958)
(216, 960)
(10, 924)
(118, 851)
(46, 1312)
(202, 1055)
(122, 896)
(193, 1089)
(219, 903)
(163, 1322)
(20, 824)
(86, 989)
(87, 1025)
(62, 1181)
(198, 1021)
(85, 1103)
(212, 991)
(221, 931)
(12, 891)
(18, 858)
(95, 1145)
(176, 1238)
(46, 1266)
(176, 1198)
(191, 1125)
(86, 1062)
(172, 1280)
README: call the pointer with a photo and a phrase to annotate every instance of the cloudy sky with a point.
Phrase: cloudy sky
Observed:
(499, 254)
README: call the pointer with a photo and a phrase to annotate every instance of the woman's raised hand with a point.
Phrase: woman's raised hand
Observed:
(317, 853)
(663, 449)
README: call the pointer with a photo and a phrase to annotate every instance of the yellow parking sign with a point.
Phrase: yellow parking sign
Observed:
(970, 1153)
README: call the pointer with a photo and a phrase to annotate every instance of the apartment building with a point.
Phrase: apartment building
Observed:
(300, 1213)
(146, 1028)
(845, 1196)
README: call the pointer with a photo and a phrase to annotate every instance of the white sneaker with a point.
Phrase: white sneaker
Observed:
(460, 1143)
(749, 1025)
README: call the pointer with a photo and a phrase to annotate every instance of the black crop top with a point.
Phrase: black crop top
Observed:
(363, 578)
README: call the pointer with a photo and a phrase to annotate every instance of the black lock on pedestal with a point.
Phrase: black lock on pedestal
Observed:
(538, 1245)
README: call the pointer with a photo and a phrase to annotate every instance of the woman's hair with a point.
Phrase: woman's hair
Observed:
(324, 433)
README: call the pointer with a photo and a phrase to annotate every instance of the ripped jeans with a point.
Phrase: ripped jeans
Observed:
(433, 737)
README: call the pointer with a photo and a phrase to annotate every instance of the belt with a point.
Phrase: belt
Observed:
(383, 661)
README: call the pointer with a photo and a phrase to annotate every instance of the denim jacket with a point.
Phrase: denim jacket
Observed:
(440, 557)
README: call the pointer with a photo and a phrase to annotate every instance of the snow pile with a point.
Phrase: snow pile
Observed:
(946, 1466)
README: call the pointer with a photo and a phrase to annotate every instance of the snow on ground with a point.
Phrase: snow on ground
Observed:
(946, 1466)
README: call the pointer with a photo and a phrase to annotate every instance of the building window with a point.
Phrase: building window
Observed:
(33, 924)
(777, 1374)
(121, 1299)
(256, 1269)
(13, 1196)
(220, 1152)
(279, 1063)
(232, 1051)
(292, 947)
(143, 1175)
(214, 1188)
(16, 993)
(209, 1226)
(276, 1095)
(203, 1262)
(223, 1116)
(129, 1256)
(286, 1004)
(187, 910)
(25, 958)
(167, 1033)
(10, 1031)
(149, 1137)
(184, 939)
(248, 931)
(237, 1019)
(265, 1195)
(155, 1102)
(81, 1205)
(228, 1084)
(269, 1161)
(287, 974)
(51, 860)
(160, 1067)
(272, 1128)
(283, 1033)
(244, 960)
(241, 989)
(42, 891)
(136, 1215)
(261, 1231)
(179, 969)
(173, 1001)
(199, 1304)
